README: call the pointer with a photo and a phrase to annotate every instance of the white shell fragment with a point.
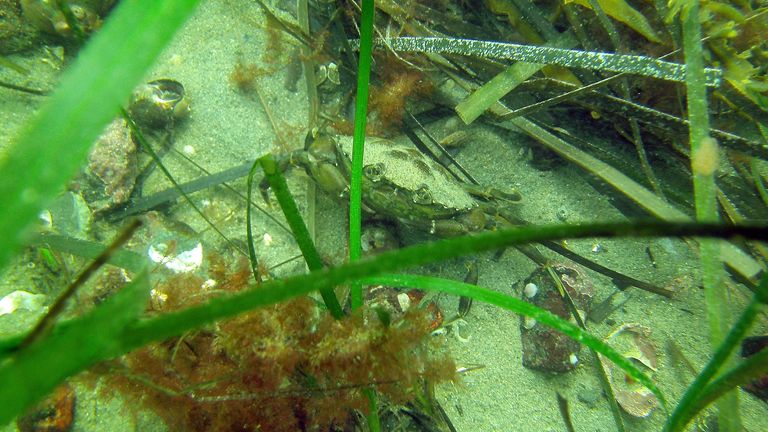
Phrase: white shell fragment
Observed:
(21, 300)
(174, 260)
(529, 323)
(530, 290)
(404, 301)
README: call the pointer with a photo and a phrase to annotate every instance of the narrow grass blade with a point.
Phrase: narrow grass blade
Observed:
(57, 308)
(374, 425)
(299, 229)
(144, 144)
(690, 403)
(624, 13)
(4, 62)
(632, 64)
(704, 164)
(55, 143)
(489, 93)
(600, 101)
(358, 142)
(126, 259)
(252, 259)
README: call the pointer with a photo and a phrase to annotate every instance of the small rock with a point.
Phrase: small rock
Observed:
(112, 165)
(21, 300)
(546, 349)
(751, 346)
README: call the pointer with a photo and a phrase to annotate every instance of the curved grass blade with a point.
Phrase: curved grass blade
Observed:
(750, 369)
(521, 307)
(633, 64)
(54, 144)
(110, 331)
(272, 292)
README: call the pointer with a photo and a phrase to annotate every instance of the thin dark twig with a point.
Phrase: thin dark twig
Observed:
(442, 149)
(57, 308)
(24, 89)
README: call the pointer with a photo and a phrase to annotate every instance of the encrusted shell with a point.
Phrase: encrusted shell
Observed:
(113, 163)
(158, 104)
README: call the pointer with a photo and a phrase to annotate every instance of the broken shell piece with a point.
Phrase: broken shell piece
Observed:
(529, 323)
(404, 301)
(530, 290)
(178, 261)
(639, 402)
(632, 341)
(21, 300)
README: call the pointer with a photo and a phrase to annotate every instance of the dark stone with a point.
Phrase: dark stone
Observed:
(751, 346)
(546, 349)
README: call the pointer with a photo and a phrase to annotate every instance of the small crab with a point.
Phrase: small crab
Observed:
(402, 184)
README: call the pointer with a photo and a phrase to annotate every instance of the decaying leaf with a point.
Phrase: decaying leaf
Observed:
(624, 13)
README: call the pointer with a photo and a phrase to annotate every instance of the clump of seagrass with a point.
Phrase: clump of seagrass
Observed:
(287, 367)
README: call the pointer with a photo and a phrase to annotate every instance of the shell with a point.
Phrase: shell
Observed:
(633, 341)
(158, 104)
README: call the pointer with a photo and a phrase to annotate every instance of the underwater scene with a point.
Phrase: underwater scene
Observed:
(377, 215)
